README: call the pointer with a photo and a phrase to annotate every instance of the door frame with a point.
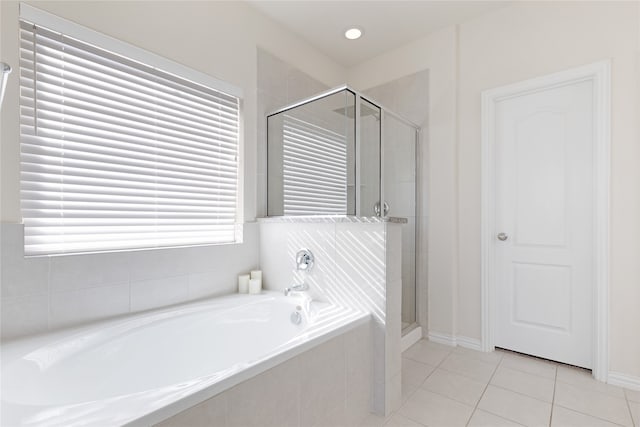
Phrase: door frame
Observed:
(600, 74)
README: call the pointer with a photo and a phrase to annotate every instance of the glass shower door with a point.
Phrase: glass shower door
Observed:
(399, 163)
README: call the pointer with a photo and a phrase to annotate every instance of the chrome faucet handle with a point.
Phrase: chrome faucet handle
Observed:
(304, 260)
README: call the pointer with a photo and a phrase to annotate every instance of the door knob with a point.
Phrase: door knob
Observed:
(502, 236)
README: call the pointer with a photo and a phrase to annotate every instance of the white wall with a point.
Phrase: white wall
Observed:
(507, 45)
(218, 38)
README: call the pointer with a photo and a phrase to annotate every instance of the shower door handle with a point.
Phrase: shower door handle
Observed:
(376, 209)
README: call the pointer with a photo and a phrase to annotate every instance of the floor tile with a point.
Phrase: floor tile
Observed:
(435, 410)
(481, 418)
(515, 407)
(532, 385)
(599, 405)
(469, 367)
(408, 389)
(455, 386)
(415, 372)
(635, 412)
(632, 395)
(398, 420)
(563, 417)
(427, 352)
(583, 378)
(490, 357)
(372, 420)
(529, 364)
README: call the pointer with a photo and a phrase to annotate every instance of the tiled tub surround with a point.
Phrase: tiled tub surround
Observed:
(357, 264)
(327, 386)
(145, 368)
(48, 293)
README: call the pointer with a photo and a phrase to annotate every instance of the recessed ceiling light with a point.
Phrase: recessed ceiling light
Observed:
(353, 33)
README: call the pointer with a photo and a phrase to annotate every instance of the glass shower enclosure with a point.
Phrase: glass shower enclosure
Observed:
(342, 153)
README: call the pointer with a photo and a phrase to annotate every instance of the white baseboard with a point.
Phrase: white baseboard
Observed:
(445, 339)
(410, 338)
(623, 380)
(470, 343)
(450, 340)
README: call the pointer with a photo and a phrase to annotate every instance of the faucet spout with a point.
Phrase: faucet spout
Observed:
(296, 288)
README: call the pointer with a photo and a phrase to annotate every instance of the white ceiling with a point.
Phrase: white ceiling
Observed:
(387, 24)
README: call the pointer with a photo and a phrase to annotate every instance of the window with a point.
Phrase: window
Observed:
(117, 154)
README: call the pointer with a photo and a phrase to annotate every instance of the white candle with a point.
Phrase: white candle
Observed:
(255, 286)
(256, 274)
(243, 283)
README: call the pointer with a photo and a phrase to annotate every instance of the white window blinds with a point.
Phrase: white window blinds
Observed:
(119, 155)
(314, 169)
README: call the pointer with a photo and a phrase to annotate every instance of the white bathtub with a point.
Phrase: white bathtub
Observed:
(144, 368)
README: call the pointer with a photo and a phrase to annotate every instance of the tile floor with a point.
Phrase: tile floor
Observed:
(454, 386)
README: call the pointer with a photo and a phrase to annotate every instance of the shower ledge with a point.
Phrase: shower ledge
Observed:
(332, 219)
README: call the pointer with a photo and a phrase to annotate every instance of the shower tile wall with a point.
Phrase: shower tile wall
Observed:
(279, 84)
(408, 96)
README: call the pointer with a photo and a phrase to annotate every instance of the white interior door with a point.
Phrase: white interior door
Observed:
(544, 236)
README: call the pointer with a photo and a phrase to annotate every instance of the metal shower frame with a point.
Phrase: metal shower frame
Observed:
(384, 111)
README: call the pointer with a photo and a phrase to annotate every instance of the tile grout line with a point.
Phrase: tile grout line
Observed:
(419, 386)
(591, 416)
(475, 408)
(633, 422)
(553, 397)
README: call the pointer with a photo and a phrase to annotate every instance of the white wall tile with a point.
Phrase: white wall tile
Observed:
(393, 251)
(24, 315)
(148, 294)
(393, 391)
(323, 384)
(203, 285)
(279, 244)
(211, 412)
(276, 262)
(359, 355)
(20, 276)
(360, 266)
(84, 271)
(271, 399)
(84, 305)
(158, 263)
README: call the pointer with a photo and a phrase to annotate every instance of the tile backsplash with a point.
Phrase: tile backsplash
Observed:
(46, 293)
